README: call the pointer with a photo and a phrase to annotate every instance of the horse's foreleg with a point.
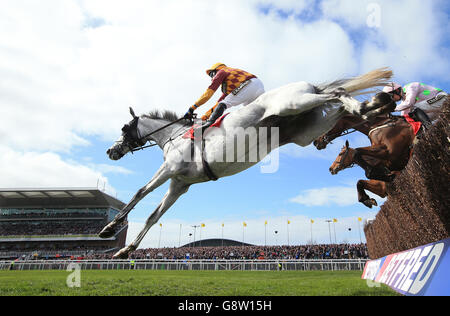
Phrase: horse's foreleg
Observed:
(377, 171)
(176, 190)
(345, 123)
(377, 112)
(380, 152)
(161, 176)
(374, 186)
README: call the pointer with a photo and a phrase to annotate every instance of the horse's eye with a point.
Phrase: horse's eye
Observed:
(125, 128)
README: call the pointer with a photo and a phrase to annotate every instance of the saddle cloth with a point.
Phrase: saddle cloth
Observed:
(190, 133)
(415, 125)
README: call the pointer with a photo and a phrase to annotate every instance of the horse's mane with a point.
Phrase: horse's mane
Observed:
(166, 115)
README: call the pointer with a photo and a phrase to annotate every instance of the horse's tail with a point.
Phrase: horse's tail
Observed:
(359, 85)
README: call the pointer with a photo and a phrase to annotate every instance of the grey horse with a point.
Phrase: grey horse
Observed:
(296, 113)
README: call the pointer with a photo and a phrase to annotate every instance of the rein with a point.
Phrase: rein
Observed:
(140, 139)
(346, 132)
(143, 147)
(389, 123)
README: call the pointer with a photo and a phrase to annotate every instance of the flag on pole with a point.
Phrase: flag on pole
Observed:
(289, 222)
(203, 225)
(359, 229)
(312, 221)
(159, 240)
(245, 224)
(335, 220)
(223, 224)
(265, 233)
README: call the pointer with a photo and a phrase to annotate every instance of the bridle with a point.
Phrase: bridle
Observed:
(343, 156)
(135, 142)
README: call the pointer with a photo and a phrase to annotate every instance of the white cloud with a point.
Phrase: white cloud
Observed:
(288, 6)
(331, 196)
(105, 168)
(61, 78)
(46, 170)
(341, 196)
(330, 153)
(408, 38)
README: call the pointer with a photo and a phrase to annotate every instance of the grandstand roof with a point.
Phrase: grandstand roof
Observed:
(57, 198)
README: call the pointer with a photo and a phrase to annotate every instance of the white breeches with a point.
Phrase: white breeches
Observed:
(434, 109)
(246, 95)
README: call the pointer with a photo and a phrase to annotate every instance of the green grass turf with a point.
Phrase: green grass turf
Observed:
(191, 283)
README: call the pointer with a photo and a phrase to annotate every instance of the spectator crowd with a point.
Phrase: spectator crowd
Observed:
(342, 251)
(51, 228)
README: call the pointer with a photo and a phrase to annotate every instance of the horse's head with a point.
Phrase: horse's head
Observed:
(321, 142)
(382, 103)
(385, 100)
(344, 160)
(129, 140)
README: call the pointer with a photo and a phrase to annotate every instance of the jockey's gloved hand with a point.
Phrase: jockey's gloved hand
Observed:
(189, 114)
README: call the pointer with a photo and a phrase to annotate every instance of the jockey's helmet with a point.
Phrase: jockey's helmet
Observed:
(215, 67)
(392, 88)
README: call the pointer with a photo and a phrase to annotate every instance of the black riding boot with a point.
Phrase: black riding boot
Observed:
(419, 115)
(218, 111)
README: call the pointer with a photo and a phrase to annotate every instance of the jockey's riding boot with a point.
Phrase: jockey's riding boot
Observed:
(419, 115)
(218, 111)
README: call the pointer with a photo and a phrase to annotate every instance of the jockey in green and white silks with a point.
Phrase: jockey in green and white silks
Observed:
(417, 95)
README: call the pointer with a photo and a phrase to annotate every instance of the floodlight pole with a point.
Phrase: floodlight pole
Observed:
(195, 229)
(179, 237)
(329, 229)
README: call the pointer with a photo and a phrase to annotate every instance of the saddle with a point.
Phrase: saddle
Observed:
(190, 133)
(415, 125)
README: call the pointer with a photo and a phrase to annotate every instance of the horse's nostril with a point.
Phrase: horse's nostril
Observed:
(108, 151)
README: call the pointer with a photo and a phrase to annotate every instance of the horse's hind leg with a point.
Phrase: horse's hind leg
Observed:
(177, 189)
(374, 186)
(161, 176)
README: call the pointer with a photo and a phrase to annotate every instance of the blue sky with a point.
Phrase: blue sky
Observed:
(69, 77)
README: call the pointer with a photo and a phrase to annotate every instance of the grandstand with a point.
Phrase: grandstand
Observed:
(57, 223)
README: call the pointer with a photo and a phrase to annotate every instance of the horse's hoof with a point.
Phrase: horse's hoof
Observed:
(367, 203)
(107, 232)
(320, 146)
(124, 252)
(340, 92)
(370, 203)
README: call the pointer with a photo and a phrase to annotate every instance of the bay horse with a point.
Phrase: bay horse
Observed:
(358, 123)
(391, 138)
(296, 113)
